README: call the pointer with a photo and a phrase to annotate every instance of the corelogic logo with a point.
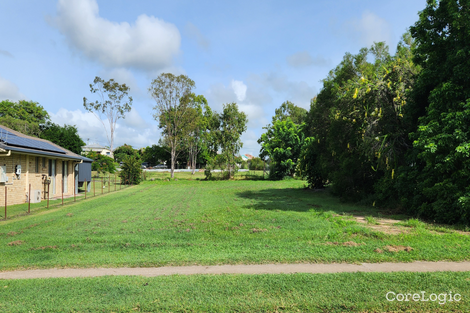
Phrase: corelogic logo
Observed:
(443, 298)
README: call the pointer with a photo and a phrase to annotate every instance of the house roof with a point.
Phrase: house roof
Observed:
(94, 146)
(12, 140)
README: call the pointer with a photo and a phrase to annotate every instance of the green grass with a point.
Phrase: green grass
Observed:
(371, 220)
(211, 222)
(345, 292)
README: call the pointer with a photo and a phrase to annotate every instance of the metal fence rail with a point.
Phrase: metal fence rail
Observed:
(104, 183)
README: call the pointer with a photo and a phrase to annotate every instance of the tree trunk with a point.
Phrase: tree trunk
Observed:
(264, 167)
(173, 160)
(193, 164)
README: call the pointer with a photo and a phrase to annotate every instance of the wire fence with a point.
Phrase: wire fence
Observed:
(99, 185)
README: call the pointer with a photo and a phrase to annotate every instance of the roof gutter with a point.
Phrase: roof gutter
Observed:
(7, 154)
(44, 153)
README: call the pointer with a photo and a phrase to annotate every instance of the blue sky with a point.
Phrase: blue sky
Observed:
(255, 53)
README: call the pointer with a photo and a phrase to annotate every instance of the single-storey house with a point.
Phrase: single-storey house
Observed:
(26, 160)
(98, 149)
(247, 157)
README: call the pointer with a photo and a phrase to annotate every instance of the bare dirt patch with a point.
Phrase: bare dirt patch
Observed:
(385, 225)
(346, 244)
(258, 230)
(398, 248)
(44, 248)
(16, 243)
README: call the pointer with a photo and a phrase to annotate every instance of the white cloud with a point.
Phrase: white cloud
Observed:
(304, 59)
(124, 76)
(239, 88)
(219, 94)
(148, 44)
(9, 91)
(134, 120)
(370, 28)
(194, 33)
(132, 130)
(298, 92)
(256, 96)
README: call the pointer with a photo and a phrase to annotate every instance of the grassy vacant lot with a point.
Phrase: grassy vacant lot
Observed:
(346, 292)
(215, 222)
(187, 221)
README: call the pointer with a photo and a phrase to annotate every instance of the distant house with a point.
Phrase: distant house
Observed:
(247, 157)
(99, 149)
(26, 160)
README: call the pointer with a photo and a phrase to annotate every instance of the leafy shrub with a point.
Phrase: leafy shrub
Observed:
(131, 173)
(101, 163)
(256, 164)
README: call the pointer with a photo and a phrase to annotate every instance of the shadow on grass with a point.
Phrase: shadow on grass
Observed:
(305, 200)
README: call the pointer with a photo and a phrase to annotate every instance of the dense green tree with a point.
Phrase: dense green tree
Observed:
(156, 155)
(101, 163)
(24, 110)
(360, 122)
(131, 171)
(441, 169)
(226, 132)
(287, 110)
(65, 136)
(123, 151)
(114, 102)
(23, 116)
(256, 164)
(171, 95)
(297, 114)
(197, 128)
(232, 126)
(283, 142)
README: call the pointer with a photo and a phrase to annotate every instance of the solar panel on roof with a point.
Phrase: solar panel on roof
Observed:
(14, 140)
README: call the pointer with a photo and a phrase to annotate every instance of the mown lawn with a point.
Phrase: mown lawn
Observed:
(345, 292)
(213, 222)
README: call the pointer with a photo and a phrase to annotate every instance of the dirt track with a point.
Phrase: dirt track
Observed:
(242, 269)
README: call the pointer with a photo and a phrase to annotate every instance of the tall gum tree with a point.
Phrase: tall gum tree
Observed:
(232, 126)
(114, 102)
(171, 94)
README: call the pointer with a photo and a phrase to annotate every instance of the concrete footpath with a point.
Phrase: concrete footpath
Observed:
(242, 269)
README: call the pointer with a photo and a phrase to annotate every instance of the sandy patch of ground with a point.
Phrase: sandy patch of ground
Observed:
(385, 225)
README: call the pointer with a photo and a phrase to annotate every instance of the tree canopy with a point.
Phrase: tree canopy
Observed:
(442, 95)
(23, 116)
(283, 143)
(232, 124)
(123, 151)
(172, 110)
(65, 136)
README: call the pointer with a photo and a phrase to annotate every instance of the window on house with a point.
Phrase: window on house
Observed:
(37, 164)
(43, 162)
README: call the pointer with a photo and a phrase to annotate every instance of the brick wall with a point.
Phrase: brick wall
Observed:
(18, 186)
